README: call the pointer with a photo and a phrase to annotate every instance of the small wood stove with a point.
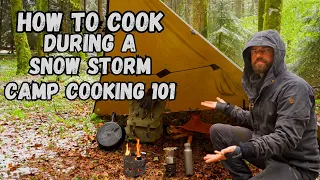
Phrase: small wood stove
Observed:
(134, 163)
(134, 166)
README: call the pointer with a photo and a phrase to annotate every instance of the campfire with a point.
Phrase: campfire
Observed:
(134, 162)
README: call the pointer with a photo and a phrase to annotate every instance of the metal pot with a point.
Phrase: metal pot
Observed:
(110, 136)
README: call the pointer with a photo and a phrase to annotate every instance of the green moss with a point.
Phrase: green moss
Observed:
(40, 45)
(42, 5)
(100, 54)
(21, 41)
(260, 14)
(272, 14)
(77, 5)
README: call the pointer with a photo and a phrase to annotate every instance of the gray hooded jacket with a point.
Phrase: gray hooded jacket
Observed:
(282, 111)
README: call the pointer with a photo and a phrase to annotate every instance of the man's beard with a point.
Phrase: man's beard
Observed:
(261, 68)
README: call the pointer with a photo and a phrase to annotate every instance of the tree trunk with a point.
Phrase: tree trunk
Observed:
(179, 8)
(252, 8)
(71, 8)
(187, 11)
(85, 5)
(20, 39)
(272, 15)
(260, 14)
(200, 16)
(76, 5)
(173, 5)
(242, 7)
(221, 7)
(168, 3)
(42, 5)
(238, 8)
(12, 38)
(100, 12)
(1, 6)
(62, 6)
(107, 14)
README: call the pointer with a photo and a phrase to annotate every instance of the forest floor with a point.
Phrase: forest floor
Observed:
(56, 139)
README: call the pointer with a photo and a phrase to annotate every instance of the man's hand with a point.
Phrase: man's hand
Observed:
(214, 157)
(212, 104)
(220, 155)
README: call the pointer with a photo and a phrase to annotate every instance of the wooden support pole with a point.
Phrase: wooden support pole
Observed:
(189, 139)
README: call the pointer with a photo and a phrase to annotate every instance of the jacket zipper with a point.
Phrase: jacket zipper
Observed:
(268, 84)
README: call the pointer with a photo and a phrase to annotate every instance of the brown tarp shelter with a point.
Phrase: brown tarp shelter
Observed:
(205, 72)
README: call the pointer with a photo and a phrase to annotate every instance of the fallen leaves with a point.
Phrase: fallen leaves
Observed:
(90, 137)
(156, 159)
(2, 123)
(37, 145)
(13, 167)
(56, 140)
(57, 150)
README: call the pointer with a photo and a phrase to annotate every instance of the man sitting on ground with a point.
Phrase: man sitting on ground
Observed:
(281, 113)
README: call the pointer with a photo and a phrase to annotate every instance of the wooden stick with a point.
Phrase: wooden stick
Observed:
(180, 136)
(173, 130)
(189, 139)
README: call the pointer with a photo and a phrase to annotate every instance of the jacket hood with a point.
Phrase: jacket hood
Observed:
(269, 38)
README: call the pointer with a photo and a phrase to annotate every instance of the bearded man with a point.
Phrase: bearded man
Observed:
(283, 140)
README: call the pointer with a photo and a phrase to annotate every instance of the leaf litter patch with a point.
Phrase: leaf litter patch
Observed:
(24, 140)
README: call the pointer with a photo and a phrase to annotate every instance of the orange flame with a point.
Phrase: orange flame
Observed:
(127, 150)
(138, 146)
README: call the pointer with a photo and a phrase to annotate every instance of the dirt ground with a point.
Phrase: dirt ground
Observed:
(99, 164)
(35, 156)
(56, 140)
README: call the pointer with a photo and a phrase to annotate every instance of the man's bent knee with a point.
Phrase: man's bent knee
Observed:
(220, 135)
(217, 129)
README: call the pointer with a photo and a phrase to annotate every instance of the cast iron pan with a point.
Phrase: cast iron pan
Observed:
(110, 136)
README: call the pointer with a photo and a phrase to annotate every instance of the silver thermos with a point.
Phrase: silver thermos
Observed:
(188, 161)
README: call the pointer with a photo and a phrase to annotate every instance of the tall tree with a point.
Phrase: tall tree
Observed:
(42, 5)
(1, 6)
(20, 39)
(199, 9)
(293, 14)
(77, 6)
(238, 8)
(168, 3)
(252, 6)
(188, 11)
(174, 5)
(179, 8)
(308, 54)
(272, 14)
(64, 7)
(225, 31)
(260, 14)
(12, 37)
(100, 12)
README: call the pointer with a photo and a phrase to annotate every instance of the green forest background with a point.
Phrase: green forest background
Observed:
(31, 131)
(227, 24)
